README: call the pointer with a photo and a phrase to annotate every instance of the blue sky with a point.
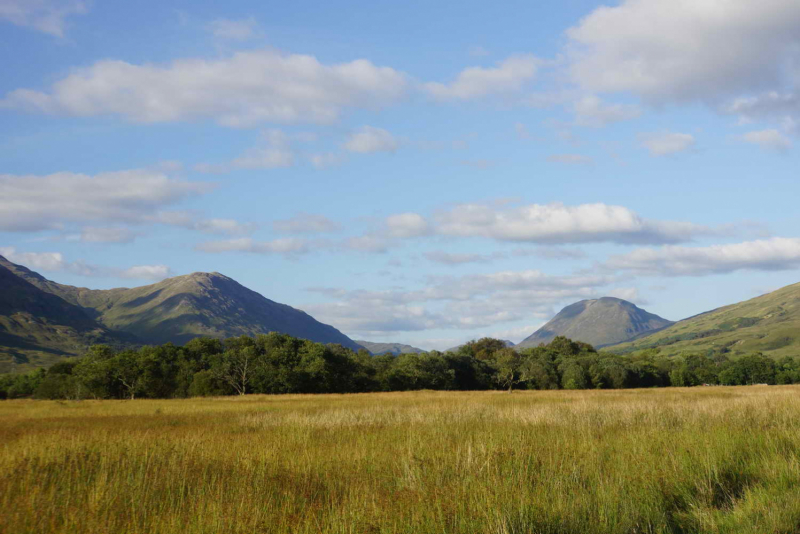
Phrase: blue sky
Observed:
(419, 172)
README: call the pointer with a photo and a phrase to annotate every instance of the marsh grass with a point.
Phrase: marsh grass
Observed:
(625, 461)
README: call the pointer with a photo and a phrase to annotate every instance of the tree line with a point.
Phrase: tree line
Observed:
(277, 363)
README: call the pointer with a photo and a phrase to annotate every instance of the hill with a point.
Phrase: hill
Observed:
(769, 324)
(599, 322)
(388, 348)
(173, 310)
(37, 327)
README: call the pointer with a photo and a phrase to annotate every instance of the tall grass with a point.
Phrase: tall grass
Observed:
(722, 460)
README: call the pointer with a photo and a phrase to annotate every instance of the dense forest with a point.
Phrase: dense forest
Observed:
(278, 363)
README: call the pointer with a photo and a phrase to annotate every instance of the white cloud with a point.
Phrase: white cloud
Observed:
(571, 159)
(96, 234)
(556, 223)
(768, 139)
(306, 223)
(367, 243)
(55, 262)
(666, 143)
(507, 77)
(146, 272)
(243, 90)
(234, 30)
(224, 226)
(686, 50)
(369, 139)
(47, 16)
(447, 258)
(772, 105)
(33, 203)
(592, 111)
(289, 246)
(406, 225)
(761, 255)
(273, 151)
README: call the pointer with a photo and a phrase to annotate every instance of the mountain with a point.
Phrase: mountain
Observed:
(455, 349)
(769, 324)
(173, 310)
(37, 327)
(388, 348)
(599, 322)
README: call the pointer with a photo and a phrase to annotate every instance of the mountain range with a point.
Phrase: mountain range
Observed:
(41, 320)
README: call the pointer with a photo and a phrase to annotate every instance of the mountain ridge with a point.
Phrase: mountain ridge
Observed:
(175, 310)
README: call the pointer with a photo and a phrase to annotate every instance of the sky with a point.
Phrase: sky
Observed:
(417, 172)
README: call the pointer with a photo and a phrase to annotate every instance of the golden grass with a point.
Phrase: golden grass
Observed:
(625, 461)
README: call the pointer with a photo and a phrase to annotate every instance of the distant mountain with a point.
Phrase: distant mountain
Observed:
(173, 310)
(37, 327)
(769, 324)
(599, 322)
(388, 348)
(455, 349)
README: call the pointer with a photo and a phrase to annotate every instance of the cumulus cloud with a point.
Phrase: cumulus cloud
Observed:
(556, 223)
(55, 262)
(367, 243)
(686, 50)
(47, 16)
(406, 225)
(768, 139)
(774, 254)
(33, 203)
(666, 143)
(369, 139)
(508, 76)
(234, 30)
(570, 159)
(306, 223)
(592, 111)
(243, 90)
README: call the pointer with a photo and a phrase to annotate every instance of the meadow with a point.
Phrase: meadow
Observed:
(714, 459)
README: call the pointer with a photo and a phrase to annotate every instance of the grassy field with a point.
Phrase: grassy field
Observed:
(668, 460)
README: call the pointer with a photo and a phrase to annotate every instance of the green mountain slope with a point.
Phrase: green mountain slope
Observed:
(599, 322)
(37, 328)
(769, 324)
(180, 308)
(388, 348)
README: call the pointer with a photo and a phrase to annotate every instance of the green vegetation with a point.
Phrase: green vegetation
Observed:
(769, 324)
(277, 363)
(702, 460)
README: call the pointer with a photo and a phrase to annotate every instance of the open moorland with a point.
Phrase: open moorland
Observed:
(714, 459)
